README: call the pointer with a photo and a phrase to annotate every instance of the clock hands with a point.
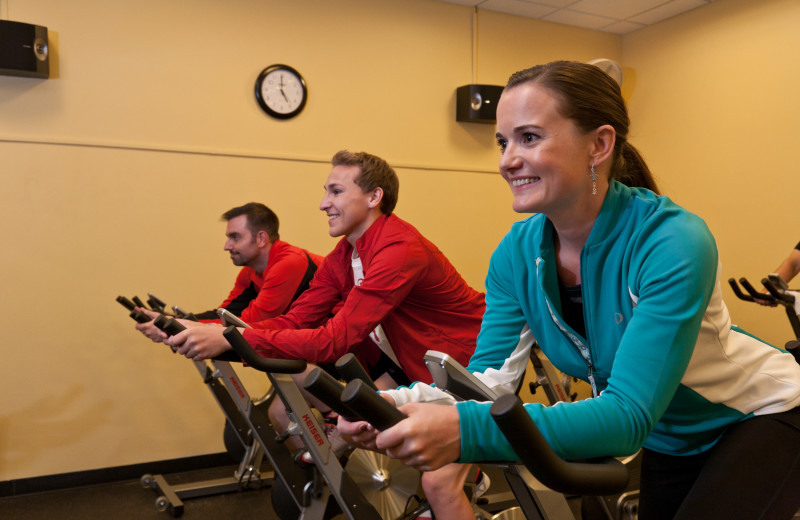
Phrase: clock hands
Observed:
(281, 89)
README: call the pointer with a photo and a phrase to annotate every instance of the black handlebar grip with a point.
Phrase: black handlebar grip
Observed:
(139, 316)
(755, 294)
(138, 302)
(252, 358)
(738, 292)
(156, 303)
(772, 290)
(374, 409)
(605, 477)
(126, 303)
(350, 369)
(328, 390)
(168, 325)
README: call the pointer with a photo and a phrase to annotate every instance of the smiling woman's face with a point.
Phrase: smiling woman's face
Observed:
(545, 157)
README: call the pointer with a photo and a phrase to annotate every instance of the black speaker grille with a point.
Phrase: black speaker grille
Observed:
(16, 46)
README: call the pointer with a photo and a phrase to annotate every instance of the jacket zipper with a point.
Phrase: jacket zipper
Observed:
(583, 350)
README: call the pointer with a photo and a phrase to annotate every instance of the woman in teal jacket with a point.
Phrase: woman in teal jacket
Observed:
(620, 287)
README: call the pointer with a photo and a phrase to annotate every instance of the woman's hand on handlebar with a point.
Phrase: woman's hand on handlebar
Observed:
(427, 440)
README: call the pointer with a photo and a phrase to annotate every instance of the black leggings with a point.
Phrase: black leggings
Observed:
(753, 472)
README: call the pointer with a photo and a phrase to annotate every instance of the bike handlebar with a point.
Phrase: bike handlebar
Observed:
(755, 295)
(787, 299)
(328, 390)
(126, 303)
(255, 360)
(360, 397)
(738, 291)
(605, 476)
(168, 324)
(351, 369)
(139, 316)
(156, 303)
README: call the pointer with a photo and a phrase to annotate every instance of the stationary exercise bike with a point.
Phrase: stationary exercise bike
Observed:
(328, 390)
(298, 491)
(308, 496)
(229, 392)
(529, 498)
(778, 293)
(359, 401)
(303, 492)
(538, 499)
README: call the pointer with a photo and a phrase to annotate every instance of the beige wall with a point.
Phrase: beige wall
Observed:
(115, 172)
(713, 97)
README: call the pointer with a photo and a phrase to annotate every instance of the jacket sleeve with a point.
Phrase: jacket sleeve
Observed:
(500, 332)
(504, 341)
(314, 306)
(392, 274)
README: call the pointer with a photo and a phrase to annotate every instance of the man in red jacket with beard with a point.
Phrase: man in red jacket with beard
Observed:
(274, 273)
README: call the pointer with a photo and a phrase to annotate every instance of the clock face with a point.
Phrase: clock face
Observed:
(281, 91)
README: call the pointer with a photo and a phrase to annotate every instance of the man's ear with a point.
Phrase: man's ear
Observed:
(375, 198)
(262, 238)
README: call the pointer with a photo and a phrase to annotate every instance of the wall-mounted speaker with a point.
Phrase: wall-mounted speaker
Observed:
(23, 50)
(477, 103)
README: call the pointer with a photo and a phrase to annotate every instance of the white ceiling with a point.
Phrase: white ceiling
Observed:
(615, 16)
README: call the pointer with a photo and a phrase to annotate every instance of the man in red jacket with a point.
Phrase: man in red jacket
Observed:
(395, 287)
(274, 273)
(383, 271)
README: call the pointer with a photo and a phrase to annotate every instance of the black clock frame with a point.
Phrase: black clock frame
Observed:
(262, 102)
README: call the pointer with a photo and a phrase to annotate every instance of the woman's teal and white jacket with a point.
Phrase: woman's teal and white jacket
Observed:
(669, 371)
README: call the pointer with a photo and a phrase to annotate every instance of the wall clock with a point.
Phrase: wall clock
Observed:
(281, 91)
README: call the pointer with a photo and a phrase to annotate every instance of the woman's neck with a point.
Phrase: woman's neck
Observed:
(570, 235)
(568, 259)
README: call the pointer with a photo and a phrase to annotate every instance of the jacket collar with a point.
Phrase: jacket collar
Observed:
(607, 223)
(366, 242)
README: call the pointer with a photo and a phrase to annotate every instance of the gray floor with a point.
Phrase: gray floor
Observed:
(128, 500)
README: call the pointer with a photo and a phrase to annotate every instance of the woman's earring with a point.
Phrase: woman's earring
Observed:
(593, 176)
